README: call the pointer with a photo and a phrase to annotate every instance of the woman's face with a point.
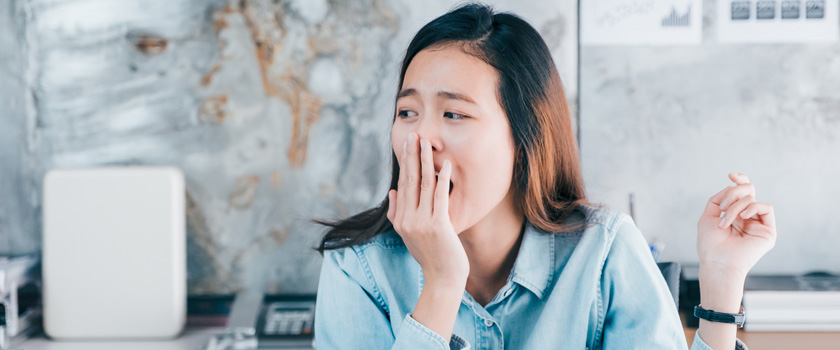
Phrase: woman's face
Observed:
(450, 99)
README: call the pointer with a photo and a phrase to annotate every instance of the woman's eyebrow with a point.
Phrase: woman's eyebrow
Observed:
(406, 92)
(451, 95)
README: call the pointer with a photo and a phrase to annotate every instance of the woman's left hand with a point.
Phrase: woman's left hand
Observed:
(734, 244)
(729, 247)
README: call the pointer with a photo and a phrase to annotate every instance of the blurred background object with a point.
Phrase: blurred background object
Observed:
(20, 299)
(114, 253)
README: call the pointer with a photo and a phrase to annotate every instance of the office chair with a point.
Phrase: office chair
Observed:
(671, 273)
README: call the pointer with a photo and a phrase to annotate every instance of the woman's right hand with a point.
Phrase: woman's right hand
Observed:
(419, 212)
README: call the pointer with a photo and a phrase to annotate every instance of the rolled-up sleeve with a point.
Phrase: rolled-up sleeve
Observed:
(414, 335)
(350, 312)
(699, 344)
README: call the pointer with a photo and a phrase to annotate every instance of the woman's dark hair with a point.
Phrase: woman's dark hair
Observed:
(548, 184)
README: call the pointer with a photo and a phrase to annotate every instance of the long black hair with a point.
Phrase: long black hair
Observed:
(548, 183)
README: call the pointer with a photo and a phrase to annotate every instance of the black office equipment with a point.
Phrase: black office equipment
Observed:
(690, 294)
(268, 323)
(671, 273)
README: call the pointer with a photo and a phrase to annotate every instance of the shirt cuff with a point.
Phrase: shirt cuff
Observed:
(699, 344)
(414, 335)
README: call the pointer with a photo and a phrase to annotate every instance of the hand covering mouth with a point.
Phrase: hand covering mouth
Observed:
(451, 184)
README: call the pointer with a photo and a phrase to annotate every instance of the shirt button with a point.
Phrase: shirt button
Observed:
(488, 322)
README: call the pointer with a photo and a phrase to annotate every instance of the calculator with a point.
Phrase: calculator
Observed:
(286, 323)
(288, 318)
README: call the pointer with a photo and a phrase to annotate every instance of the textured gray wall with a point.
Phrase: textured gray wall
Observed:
(18, 169)
(276, 113)
(669, 123)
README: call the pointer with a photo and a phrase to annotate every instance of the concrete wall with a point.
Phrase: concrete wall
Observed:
(277, 113)
(18, 162)
(668, 124)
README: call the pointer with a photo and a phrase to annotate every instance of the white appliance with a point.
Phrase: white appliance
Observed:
(114, 253)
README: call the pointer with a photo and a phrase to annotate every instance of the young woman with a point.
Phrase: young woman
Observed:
(486, 239)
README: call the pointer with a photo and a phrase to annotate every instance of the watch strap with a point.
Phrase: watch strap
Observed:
(720, 317)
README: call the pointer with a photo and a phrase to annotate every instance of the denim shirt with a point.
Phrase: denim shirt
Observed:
(597, 288)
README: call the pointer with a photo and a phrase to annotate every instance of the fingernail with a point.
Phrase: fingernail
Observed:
(422, 144)
(411, 137)
(446, 165)
(723, 205)
(722, 221)
(405, 147)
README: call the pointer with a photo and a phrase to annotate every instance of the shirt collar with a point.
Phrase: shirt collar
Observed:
(534, 266)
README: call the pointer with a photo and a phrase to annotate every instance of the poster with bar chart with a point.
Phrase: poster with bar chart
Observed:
(641, 22)
(778, 21)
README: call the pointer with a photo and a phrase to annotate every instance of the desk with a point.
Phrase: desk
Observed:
(780, 340)
(195, 338)
(190, 339)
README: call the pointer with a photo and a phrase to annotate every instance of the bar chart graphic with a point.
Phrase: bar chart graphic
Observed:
(675, 19)
(641, 22)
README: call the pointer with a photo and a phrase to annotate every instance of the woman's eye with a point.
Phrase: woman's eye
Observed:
(455, 116)
(406, 113)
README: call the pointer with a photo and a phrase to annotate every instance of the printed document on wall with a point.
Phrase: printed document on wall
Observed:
(778, 21)
(641, 22)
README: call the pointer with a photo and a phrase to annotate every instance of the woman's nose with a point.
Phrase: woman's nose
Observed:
(428, 129)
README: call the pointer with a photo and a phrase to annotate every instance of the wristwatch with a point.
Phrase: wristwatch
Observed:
(721, 317)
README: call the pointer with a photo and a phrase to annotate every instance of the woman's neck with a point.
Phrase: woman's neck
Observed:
(492, 245)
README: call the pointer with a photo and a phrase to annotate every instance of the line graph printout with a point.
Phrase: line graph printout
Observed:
(778, 21)
(641, 22)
